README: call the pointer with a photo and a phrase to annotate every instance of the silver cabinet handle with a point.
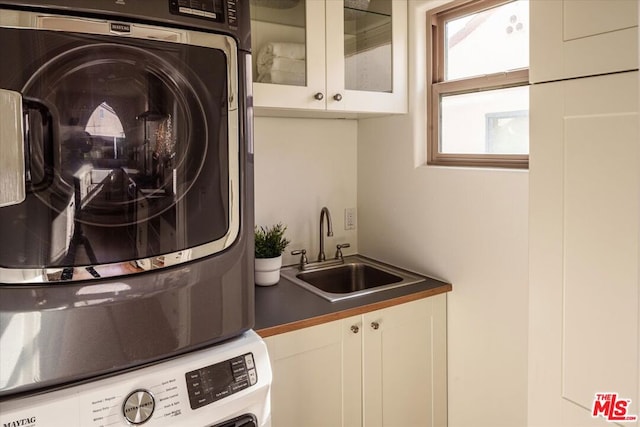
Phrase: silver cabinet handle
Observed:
(337, 97)
(12, 168)
(355, 329)
(375, 325)
(319, 96)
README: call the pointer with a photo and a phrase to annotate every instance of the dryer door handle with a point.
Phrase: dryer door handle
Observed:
(12, 177)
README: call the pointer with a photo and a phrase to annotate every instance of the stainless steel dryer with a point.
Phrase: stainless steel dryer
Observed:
(126, 199)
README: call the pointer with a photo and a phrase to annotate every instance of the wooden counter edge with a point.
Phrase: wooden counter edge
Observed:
(313, 321)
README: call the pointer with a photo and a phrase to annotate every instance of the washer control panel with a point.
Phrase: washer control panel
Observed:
(175, 392)
(214, 382)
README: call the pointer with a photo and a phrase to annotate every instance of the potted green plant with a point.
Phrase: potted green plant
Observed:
(270, 243)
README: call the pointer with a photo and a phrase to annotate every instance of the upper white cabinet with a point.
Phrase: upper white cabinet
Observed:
(336, 56)
(572, 38)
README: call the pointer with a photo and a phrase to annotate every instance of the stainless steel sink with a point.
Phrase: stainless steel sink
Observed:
(357, 276)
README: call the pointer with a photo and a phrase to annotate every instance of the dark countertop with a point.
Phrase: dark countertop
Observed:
(287, 307)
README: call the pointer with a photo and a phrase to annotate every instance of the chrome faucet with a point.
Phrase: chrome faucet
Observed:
(324, 213)
(322, 261)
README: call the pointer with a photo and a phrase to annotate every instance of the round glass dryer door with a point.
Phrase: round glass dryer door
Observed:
(131, 154)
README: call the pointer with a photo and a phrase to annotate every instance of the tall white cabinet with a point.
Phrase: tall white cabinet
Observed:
(584, 211)
(382, 368)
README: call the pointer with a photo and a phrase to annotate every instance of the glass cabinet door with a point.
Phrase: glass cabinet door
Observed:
(279, 42)
(368, 49)
(287, 38)
(367, 56)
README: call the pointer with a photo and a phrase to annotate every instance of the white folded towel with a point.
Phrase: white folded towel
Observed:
(283, 78)
(286, 50)
(280, 63)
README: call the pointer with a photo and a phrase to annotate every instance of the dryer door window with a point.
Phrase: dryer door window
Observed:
(130, 153)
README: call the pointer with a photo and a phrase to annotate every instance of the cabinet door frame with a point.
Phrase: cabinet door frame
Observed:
(296, 357)
(287, 96)
(395, 101)
(352, 333)
(403, 344)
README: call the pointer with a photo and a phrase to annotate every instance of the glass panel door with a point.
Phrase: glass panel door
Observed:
(279, 41)
(368, 54)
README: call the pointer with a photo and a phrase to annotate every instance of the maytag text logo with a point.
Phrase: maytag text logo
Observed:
(24, 422)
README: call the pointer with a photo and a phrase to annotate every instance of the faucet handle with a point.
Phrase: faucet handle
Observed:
(303, 256)
(339, 249)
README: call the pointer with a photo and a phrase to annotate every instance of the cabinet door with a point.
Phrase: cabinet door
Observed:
(584, 225)
(581, 38)
(307, 377)
(352, 333)
(283, 31)
(404, 364)
(367, 56)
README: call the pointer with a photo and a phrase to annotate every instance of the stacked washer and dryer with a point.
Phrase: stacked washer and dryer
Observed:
(126, 216)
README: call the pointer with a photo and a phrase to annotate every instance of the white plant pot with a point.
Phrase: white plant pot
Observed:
(267, 271)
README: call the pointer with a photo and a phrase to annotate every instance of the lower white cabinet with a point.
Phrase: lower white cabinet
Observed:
(382, 368)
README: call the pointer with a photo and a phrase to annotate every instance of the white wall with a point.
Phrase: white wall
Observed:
(302, 165)
(468, 226)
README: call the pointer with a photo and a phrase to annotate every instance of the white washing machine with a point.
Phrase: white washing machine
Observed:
(227, 385)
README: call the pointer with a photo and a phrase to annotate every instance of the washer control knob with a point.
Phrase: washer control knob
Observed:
(138, 407)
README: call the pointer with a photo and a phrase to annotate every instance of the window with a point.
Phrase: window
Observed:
(105, 122)
(107, 133)
(478, 93)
